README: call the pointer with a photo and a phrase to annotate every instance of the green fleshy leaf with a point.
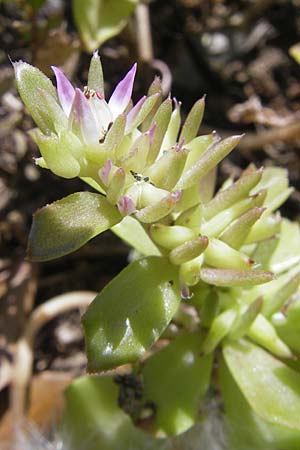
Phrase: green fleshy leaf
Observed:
(132, 232)
(288, 325)
(247, 431)
(131, 313)
(99, 20)
(275, 180)
(67, 224)
(31, 84)
(193, 121)
(57, 153)
(93, 420)
(91, 182)
(270, 386)
(286, 253)
(175, 381)
(210, 158)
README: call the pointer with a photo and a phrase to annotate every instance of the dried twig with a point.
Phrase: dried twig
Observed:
(145, 47)
(24, 352)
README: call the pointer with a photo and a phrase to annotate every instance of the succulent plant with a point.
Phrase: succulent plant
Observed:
(214, 270)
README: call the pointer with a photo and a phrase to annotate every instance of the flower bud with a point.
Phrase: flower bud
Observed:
(218, 330)
(263, 332)
(193, 121)
(188, 250)
(171, 236)
(116, 186)
(231, 278)
(126, 205)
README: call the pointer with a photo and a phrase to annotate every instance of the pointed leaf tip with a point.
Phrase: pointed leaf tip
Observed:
(95, 75)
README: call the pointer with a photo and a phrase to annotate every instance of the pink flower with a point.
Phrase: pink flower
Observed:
(89, 114)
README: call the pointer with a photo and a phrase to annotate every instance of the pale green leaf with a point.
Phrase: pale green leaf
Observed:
(92, 419)
(246, 430)
(131, 313)
(283, 253)
(99, 20)
(132, 232)
(175, 380)
(67, 224)
(270, 386)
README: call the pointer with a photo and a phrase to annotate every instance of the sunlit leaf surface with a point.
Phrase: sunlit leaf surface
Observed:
(270, 386)
(131, 312)
(175, 380)
(247, 431)
(67, 224)
(92, 419)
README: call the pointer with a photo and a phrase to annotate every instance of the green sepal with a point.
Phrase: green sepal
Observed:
(175, 381)
(131, 313)
(67, 224)
(95, 76)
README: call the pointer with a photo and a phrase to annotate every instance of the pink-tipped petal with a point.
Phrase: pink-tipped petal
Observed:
(104, 171)
(82, 120)
(65, 90)
(176, 195)
(131, 116)
(126, 205)
(180, 145)
(122, 93)
(152, 132)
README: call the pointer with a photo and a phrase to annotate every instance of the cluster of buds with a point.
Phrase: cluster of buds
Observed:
(159, 172)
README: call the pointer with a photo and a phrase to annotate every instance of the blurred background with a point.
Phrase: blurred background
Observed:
(243, 54)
